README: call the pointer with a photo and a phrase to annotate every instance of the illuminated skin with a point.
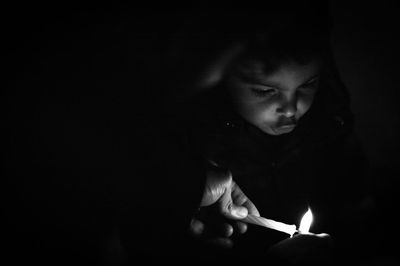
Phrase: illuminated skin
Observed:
(275, 101)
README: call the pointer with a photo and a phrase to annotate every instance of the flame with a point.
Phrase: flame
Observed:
(306, 222)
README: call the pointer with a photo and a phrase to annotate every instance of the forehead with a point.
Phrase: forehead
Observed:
(286, 71)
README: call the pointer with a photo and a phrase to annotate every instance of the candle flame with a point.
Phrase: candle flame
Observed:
(306, 222)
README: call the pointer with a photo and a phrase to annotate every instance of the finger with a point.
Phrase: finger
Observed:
(323, 235)
(222, 242)
(218, 230)
(227, 230)
(196, 227)
(217, 182)
(252, 209)
(229, 209)
(239, 198)
(240, 227)
(215, 70)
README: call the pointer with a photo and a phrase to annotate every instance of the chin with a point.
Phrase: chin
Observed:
(272, 133)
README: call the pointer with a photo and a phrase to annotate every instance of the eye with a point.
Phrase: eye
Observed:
(263, 92)
(309, 87)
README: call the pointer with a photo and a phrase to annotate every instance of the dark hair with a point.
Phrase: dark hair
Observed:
(298, 33)
(274, 32)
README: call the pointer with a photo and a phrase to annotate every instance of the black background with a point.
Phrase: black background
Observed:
(71, 80)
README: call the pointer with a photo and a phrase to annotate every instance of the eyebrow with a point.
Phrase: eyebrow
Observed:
(271, 84)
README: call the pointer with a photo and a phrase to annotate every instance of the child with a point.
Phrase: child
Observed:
(279, 120)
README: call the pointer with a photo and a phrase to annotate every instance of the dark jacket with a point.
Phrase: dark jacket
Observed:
(320, 164)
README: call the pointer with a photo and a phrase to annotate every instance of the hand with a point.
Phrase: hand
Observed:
(222, 206)
(304, 249)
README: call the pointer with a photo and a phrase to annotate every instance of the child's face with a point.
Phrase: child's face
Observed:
(273, 101)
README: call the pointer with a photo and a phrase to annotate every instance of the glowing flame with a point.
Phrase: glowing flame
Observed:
(306, 222)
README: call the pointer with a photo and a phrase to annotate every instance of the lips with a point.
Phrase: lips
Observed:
(286, 122)
(284, 129)
(285, 125)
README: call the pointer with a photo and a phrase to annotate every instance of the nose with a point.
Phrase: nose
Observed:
(287, 107)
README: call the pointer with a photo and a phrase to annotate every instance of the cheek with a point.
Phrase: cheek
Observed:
(259, 112)
(304, 104)
(253, 109)
(266, 112)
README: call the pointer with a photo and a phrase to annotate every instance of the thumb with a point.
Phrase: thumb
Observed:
(229, 209)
